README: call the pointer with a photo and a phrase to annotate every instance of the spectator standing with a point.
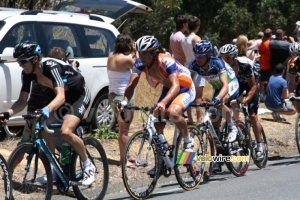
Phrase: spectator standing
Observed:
(187, 44)
(277, 91)
(265, 69)
(175, 39)
(279, 48)
(119, 66)
(297, 30)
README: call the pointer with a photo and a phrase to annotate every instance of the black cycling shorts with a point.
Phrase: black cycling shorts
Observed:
(76, 104)
(253, 105)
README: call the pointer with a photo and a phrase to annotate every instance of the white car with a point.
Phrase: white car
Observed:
(89, 38)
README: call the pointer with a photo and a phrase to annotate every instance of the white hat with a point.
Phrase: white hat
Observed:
(298, 23)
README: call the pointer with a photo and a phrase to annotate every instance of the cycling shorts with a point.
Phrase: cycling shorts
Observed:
(253, 105)
(184, 98)
(76, 104)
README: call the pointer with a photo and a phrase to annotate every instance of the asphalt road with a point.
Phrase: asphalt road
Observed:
(279, 180)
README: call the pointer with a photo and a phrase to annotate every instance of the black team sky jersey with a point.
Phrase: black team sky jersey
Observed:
(60, 73)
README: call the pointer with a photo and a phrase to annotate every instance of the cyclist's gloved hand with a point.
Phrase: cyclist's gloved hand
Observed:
(123, 104)
(161, 106)
(292, 98)
(5, 115)
(216, 101)
(45, 113)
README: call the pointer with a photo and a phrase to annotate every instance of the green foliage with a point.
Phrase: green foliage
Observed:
(221, 20)
(104, 132)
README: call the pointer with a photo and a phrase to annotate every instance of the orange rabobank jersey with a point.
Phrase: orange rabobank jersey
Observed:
(167, 66)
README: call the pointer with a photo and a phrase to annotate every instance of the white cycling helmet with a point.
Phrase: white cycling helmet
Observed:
(295, 47)
(228, 50)
(147, 43)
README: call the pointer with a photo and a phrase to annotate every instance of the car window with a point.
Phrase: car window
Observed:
(101, 41)
(18, 33)
(63, 36)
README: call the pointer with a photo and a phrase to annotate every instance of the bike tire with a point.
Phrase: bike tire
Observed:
(138, 182)
(18, 162)
(97, 155)
(189, 176)
(5, 184)
(210, 150)
(242, 147)
(297, 132)
(262, 163)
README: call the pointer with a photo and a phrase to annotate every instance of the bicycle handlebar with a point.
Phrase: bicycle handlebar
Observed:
(28, 117)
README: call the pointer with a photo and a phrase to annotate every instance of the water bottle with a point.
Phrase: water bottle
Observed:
(163, 144)
(65, 154)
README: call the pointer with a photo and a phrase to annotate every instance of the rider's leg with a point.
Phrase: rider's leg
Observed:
(225, 112)
(199, 93)
(123, 133)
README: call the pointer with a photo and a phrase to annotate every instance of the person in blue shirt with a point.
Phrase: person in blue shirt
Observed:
(277, 91)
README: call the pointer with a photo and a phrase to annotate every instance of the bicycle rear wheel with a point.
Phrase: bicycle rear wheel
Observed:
(189, 176)
(98, 157)
(143, 158)
(297, 132)
(5, 181)
(241, 147)
(259, 163)
(24, 185)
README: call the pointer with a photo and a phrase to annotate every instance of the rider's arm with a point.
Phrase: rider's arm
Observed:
(253, 88)
(224, 89)
(58, 100)
(173, 91)
(20, 104)
(134, 79)
(58, 84)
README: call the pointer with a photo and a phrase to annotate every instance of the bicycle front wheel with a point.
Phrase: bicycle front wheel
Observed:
(5, 183)
(240, 151)
(25, 167)
(190, 174)
(297, 132)
(140, 167)
(98, 157)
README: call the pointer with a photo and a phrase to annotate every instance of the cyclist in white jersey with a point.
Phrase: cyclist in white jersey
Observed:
(221, 76)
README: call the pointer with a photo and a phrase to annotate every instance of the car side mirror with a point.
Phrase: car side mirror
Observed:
(7, 54)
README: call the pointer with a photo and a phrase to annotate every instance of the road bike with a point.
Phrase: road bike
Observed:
(150, 158)
(260, 163)
(297, 123)
(5, 183)
(236, 155)
(33, 159)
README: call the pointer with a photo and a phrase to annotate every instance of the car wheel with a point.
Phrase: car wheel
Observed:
(103, 113)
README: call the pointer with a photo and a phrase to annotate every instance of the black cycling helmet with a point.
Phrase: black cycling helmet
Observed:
(27, 49)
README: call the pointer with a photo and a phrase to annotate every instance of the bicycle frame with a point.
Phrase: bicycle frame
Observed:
(152, 133)
(41, 145)
(208, 124)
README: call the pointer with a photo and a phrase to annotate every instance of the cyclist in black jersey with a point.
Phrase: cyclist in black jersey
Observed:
(248, 79)
(72, 96)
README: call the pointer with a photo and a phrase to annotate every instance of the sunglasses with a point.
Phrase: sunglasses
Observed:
(200, 55)
(228, 58)
(22, 62)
